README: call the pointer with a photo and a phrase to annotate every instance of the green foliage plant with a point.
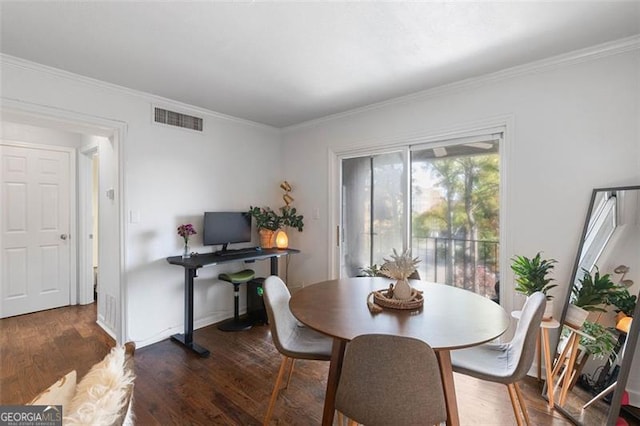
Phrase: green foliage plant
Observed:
(593, 291)
(269, 219)
(603, 341)
(371, 271)
(531, 274)
(624, 301)
(266, 218)
(290, 217)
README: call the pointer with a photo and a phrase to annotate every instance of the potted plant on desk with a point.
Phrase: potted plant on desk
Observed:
(288, 218)
(267, 222)
(531, 277)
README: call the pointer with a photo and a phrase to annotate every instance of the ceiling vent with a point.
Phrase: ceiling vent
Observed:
(173, 118)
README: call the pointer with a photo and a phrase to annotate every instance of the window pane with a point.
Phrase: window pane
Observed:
(356, 216)
(372, 210)
(388, 206)
(455, 215)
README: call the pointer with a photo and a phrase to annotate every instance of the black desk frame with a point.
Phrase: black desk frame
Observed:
(191, 266)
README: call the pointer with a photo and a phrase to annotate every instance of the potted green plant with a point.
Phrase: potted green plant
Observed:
(267, 222)
(588, 295)
(624, 301)
(602, 342)
(531, 276)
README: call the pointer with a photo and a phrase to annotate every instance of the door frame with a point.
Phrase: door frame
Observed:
(504, 124)
(74, 121)
(85, 225)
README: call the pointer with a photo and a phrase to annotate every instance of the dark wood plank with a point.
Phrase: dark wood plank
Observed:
(231, 387)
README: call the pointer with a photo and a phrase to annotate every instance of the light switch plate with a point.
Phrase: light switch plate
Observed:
(134, 216)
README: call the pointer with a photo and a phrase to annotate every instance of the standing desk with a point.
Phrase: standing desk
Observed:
(195, 262)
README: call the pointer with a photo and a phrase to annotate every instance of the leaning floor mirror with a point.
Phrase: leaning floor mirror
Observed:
(598, 338)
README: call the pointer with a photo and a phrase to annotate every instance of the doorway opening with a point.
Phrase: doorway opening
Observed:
(97, 200)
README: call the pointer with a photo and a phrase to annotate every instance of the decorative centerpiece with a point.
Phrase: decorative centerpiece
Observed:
(185, 231)
(399, 295)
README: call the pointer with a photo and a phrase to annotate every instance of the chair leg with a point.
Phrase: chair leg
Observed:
(342, 417)
(514, 403)
(293, 361)
(276, 390)
(523, 405)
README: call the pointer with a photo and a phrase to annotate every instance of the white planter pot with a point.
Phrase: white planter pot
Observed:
(548, 311)
(575, 316)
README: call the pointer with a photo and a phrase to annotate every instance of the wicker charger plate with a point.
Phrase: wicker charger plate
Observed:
(380, 298)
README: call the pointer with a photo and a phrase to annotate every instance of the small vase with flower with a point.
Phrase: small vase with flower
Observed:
(185, 231)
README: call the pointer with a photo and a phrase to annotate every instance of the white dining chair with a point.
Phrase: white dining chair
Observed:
(292, 340)
(506, 363)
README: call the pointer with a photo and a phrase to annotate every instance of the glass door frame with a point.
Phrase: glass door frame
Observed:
(502, 125)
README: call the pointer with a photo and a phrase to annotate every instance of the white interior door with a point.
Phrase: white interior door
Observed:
(36, 224)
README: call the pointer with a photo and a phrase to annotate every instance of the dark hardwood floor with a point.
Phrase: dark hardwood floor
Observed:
(231, 387)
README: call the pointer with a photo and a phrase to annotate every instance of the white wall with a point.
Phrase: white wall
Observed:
(570, 128)
(171, 176)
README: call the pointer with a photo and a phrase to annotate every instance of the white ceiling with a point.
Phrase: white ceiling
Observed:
(286, 63)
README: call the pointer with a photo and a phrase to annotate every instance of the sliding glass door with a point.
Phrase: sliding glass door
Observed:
(449, 218)
(373, 210)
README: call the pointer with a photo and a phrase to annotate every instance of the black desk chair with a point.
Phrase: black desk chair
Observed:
(237, 278)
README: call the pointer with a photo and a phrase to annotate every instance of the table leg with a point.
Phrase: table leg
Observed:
(446, 373)
(335, 368)
(186, 339)
(547, 365)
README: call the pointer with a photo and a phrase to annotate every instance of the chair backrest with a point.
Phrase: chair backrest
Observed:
(282, 322)
(522, 348)
(390, 380)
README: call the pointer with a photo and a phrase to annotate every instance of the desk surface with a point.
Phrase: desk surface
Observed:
(451, 318)
(205, 259)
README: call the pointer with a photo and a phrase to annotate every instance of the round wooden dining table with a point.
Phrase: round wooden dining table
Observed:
(451, 318)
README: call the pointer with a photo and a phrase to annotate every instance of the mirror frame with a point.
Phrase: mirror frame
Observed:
(632, 336)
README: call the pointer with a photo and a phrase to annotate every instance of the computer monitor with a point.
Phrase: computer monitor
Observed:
(223, 228)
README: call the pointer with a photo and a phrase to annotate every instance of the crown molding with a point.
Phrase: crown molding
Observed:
(566, 59)
(155, 99)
